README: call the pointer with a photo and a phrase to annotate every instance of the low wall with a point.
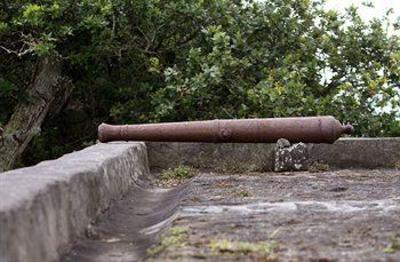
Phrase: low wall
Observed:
(44, 207)
(219, 156)
(358, 152)
(344, 153)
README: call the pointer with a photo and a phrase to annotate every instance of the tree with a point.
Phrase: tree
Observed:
(46, 90)
(289, 58)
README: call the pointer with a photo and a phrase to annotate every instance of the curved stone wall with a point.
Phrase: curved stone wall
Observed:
(44, 207)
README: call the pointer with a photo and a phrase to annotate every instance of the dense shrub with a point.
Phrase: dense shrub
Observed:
(150, 60)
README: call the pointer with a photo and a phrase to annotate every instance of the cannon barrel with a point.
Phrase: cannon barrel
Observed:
(323, 129)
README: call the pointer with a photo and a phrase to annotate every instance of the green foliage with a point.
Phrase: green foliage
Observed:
(397, 164)
(180, 172)
(393, 246)
(150, 60)
(273, 64)
(318, 167)
(239, 247)
(176, 237)
(244, 193)
(175, 176)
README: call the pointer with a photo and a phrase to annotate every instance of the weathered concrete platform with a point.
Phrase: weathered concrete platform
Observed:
(102, 198)
(345, 215)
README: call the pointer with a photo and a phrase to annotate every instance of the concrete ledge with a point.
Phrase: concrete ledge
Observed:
(344, 153)
(43, 208)
(220, 156)
(357, 152)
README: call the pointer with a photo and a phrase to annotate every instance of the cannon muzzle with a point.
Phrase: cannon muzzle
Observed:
(324, 129)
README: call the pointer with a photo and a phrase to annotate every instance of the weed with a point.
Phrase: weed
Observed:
(176, 237)
(239, 247)
(393, 246)
(244, 193)
(175, 176)
(397, 164)
(180, 172)
(318, 167)
(228, 167)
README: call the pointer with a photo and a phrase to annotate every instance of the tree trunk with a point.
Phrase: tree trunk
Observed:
(48, 91)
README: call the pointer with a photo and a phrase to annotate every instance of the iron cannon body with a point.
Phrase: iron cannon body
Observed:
(323, 129)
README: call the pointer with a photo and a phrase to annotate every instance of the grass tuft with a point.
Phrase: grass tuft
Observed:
(180, 172)
(176, 237)
(239, 247)
(244, 193)
(318, 167)
(393, 246)
(175, 176)
(397, 164)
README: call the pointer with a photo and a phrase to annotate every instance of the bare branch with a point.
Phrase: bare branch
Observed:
(8, 50)
(19, 53)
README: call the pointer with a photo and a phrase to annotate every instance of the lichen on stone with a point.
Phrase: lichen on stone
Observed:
(290, 157)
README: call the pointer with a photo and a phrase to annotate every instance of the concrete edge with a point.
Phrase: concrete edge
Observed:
(45, 207)
(241, 157)
(357, 153)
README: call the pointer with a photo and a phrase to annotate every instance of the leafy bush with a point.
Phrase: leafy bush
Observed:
(150, 60)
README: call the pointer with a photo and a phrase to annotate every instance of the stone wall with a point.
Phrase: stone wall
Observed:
(44, 207)
(228, 157)
(344, 153)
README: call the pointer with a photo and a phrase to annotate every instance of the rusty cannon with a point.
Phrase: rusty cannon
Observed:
(323, 129)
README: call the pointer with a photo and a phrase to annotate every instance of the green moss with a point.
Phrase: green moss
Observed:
(175, 176)
(176, 237)
(239, 247)
(318, 167)
(393, 246)
(397, 164)
(244, 193)
(180, 172)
